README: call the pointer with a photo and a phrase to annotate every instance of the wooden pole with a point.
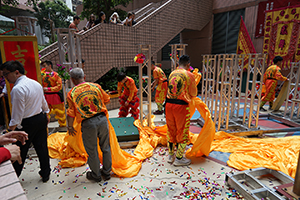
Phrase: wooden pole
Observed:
(296, 188)
(65, 99)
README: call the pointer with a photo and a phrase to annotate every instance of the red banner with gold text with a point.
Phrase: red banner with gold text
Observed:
(25, 50)
(282, 35)
(267, 6)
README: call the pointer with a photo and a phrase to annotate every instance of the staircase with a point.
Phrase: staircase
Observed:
(146, 10)
(106, 46)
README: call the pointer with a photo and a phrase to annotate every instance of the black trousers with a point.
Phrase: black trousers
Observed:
(2, 114)
(36, 128)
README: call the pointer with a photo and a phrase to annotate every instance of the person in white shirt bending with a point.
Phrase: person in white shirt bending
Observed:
(29, 109)
(128, 20)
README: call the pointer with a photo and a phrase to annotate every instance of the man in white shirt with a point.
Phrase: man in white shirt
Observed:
(29, 109)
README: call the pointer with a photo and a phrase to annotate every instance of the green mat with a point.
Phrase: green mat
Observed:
(124, 129)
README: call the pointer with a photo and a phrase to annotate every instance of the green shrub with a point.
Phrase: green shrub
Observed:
(109, 80)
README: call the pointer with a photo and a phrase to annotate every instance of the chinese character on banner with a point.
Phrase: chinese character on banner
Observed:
(284, 30)
(26, 53)
(281, 44)
(18, 54)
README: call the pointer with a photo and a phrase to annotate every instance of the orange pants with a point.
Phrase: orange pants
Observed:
(270, 90)
(178, 122)
(161, 92)
(133, 106)
(270, 93)
(160, 95)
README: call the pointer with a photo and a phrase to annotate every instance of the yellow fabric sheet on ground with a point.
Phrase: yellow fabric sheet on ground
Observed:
(72, 153)
(274, 153)
(151, 137)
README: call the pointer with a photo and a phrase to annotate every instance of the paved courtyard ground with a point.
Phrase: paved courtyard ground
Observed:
(157, 179)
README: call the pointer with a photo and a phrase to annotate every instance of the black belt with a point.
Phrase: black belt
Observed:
(176, 101)
(165, 81)
(271, 78)
(30, 118)
(98, 114)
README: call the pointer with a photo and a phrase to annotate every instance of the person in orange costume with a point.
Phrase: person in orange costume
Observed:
(52, 84)
(128, 99)
(72, 153)
(86, 102)
(181, 89)
(161, 81)
(271, 77)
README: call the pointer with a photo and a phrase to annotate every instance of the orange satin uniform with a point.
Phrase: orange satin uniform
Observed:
(162, 86)
(182, 86)
(86, 100)
(129, 95)
(130, 89)
(53, 83)
(271, 77)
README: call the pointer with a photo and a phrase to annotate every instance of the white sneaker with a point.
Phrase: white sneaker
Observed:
(171, 158)
(182, 162)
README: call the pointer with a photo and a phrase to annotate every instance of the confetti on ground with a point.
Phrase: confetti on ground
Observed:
(157, 179)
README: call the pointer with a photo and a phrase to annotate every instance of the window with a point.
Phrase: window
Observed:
(226, 31)
(166, 50)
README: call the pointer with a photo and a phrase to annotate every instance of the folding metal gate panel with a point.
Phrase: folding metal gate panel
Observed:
(146, 50)
(237, 86)
(225, 74)
(256, 66)
(176, 50)
(293, 96)
(222, 88)
(218, 92)
(208, 80)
